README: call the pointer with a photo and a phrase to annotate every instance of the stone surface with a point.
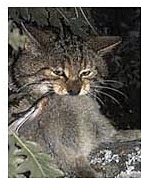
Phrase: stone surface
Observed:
(118, 160)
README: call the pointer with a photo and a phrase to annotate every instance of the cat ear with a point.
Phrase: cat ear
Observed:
(103, 44)
(31, 44)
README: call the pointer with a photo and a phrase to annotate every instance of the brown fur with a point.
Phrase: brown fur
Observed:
(68, 123)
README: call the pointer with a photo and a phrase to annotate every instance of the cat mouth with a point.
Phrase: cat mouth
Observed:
(74, 91)
(70, 92)
(72, 88)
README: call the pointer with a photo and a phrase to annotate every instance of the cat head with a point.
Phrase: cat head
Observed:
(64, 66)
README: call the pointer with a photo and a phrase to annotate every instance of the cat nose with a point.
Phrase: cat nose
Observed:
(74, 87)
(73, 92)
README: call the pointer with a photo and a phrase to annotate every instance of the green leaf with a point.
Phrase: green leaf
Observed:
(28, 156)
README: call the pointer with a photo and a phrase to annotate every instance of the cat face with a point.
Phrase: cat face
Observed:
(63, 76)
(68, 67)
(72, 79)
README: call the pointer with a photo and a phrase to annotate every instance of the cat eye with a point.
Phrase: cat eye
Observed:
(59, 72)
(85, 72)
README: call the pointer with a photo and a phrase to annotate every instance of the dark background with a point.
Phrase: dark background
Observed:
(124, 63)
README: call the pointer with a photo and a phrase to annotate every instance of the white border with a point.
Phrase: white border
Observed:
(145, 77)
(76, 3)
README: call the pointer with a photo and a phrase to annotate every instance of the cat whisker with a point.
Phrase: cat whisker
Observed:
(51, 91)
(112, 81)
(113, 89)
(25, 85)
(31, 83)
(110, 96)
(99, 99)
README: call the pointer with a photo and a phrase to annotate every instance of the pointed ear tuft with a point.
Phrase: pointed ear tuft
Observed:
(103, 44)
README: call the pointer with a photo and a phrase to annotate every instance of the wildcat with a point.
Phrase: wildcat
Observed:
(60, 111)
